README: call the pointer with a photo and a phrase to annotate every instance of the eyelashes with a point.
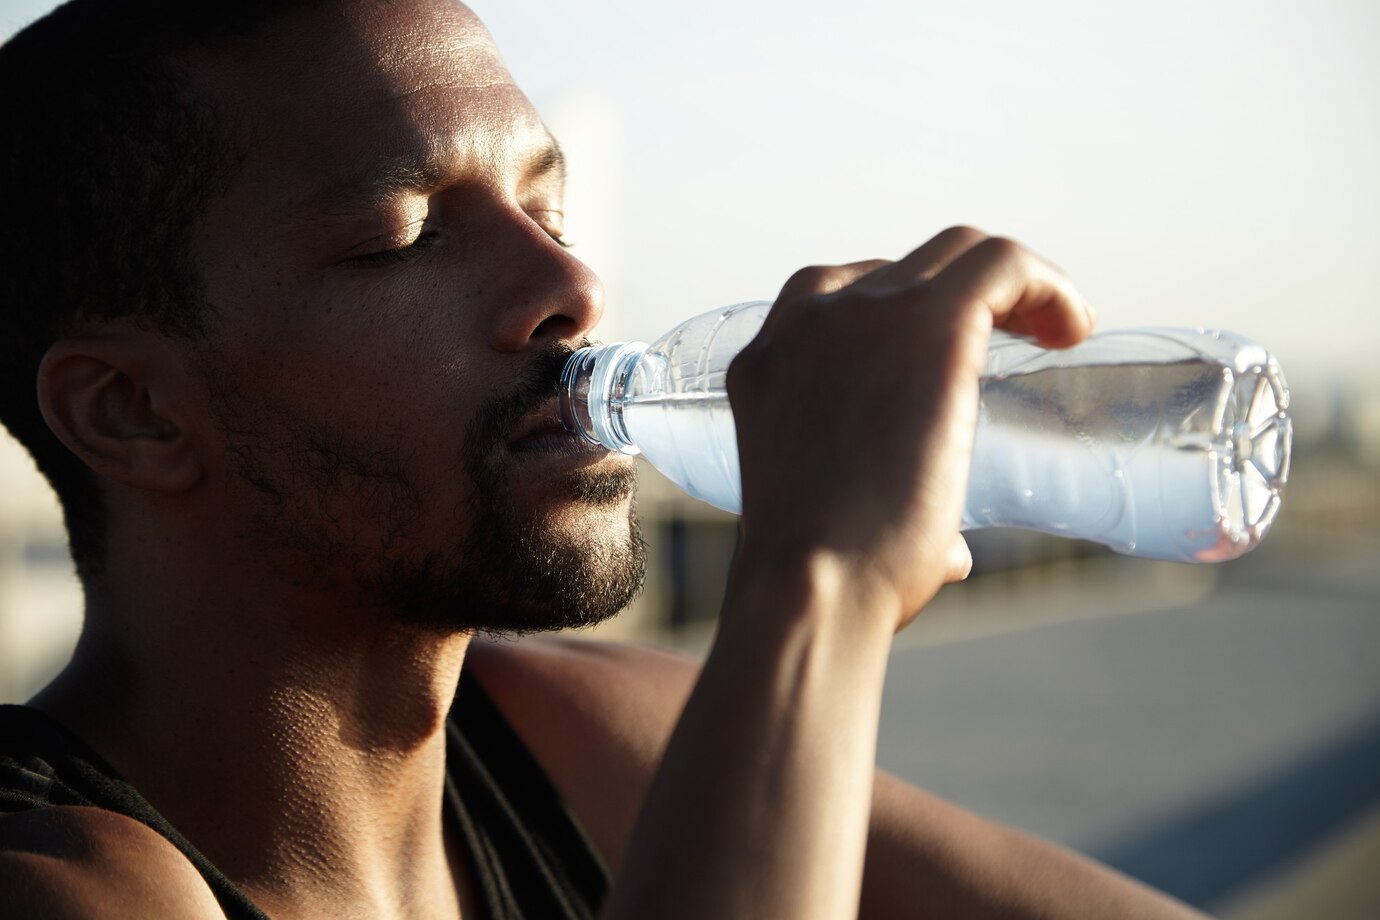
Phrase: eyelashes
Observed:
(400, 254)
(427, 239)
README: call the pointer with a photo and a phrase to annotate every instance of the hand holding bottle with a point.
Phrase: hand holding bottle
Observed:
(885, 357)
(855, 409)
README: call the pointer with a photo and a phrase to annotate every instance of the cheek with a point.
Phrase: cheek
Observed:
(408, 322)
(393, 355)
(380, 347)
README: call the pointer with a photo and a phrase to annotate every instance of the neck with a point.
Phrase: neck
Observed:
(297, 752)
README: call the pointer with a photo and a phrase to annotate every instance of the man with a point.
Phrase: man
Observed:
(295, 369)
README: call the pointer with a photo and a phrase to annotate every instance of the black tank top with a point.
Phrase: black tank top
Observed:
(525, 850)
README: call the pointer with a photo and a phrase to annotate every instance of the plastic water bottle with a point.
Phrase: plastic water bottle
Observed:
(1163, 443)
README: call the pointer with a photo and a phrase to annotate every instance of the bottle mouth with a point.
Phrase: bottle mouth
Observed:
(572, 396)
(591, 391)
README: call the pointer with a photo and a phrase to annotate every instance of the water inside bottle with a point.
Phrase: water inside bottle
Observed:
(690, 438)
(1179, 460)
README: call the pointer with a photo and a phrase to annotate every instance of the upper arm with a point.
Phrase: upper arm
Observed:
(926, 854)
(598, 716)
(78, 862)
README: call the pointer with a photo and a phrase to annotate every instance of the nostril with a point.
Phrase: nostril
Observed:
(551, 326)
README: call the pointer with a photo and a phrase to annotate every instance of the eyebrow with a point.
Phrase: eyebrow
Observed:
(390, 178)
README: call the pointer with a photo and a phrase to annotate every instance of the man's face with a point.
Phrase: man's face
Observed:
(390, 306)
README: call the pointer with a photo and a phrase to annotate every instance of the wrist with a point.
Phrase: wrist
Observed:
(817, 591)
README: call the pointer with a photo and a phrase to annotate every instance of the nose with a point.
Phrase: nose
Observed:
(544, 292)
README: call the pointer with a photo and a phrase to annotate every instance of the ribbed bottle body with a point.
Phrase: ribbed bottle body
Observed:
(1165, 443)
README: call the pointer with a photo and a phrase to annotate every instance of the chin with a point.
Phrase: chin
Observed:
(571, 569)
(544, 542)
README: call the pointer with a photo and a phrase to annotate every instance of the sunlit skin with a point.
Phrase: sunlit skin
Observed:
(390, 263)
(312, 506)
(226, 607)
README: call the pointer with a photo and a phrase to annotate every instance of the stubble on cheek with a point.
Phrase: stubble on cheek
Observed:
(333, 498)
(339, 509)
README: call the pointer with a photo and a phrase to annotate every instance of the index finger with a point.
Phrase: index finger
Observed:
(1023, 292)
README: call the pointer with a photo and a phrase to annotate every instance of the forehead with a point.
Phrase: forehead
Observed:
(329, 91)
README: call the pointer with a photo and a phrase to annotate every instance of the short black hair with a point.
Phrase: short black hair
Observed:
(108, 156)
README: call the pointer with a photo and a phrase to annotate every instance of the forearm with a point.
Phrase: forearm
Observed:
(761, 804)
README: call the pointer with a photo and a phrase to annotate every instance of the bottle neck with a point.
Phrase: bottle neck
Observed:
(591, 393)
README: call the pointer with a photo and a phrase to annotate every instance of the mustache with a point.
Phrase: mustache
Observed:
(534, 389)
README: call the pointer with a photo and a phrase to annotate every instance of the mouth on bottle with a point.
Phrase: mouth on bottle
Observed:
(572, 396)
(591, 392)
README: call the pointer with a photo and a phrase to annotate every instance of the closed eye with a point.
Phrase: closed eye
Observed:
(552, 221)
(398, 254)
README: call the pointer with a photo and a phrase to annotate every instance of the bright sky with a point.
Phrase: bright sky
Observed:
(1189, 162)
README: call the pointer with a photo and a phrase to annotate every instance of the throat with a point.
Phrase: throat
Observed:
(309, 774)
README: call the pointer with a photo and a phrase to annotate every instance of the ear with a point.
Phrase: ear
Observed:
(112, 401)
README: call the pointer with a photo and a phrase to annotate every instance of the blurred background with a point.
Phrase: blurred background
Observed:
(1213, 730)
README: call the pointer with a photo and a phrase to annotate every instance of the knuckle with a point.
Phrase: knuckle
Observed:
(961, 233)
(871, 308)
(811, 279)
(1002, 248)
(867, 266)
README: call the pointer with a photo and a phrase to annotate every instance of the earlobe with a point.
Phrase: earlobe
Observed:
(99, 397)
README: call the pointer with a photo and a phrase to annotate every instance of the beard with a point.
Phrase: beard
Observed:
(342, 510)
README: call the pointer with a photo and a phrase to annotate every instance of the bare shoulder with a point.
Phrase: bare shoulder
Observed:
(91, 863)
(596, 715)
